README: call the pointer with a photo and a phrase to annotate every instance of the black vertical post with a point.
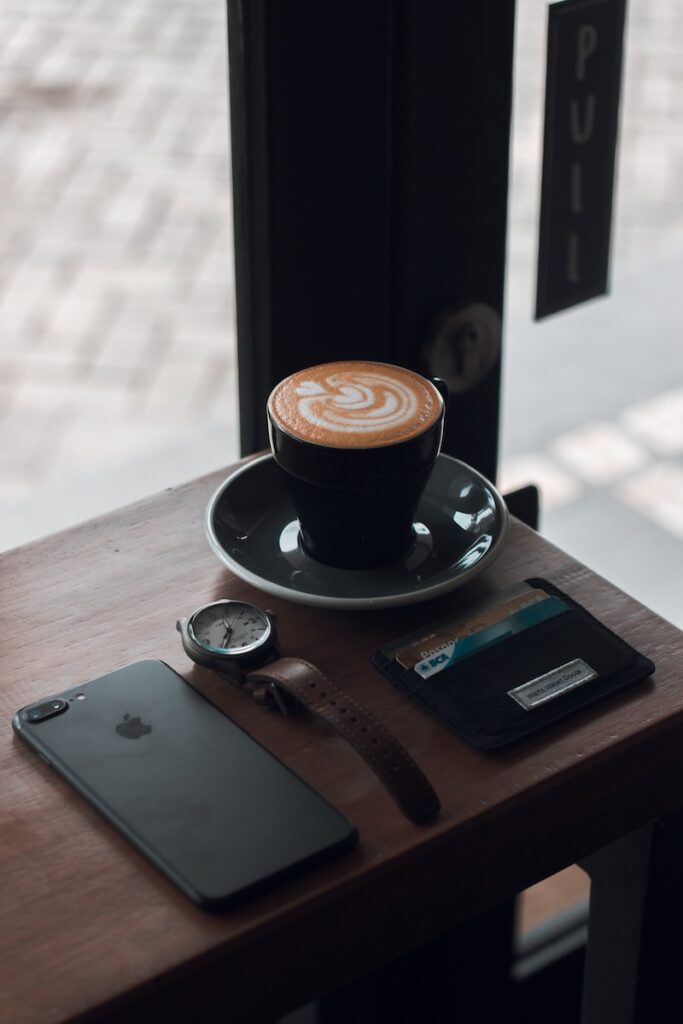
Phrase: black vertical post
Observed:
(370, 156)
(633, 960)
(311, 113)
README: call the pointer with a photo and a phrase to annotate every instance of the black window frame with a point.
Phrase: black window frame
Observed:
(370, 147)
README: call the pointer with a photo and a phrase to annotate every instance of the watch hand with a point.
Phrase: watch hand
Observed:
(227, 634)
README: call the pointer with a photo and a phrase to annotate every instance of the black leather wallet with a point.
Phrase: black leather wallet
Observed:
(525, 659)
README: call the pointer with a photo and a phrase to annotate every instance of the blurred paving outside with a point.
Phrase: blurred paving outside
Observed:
(117, 337)
(117, 341)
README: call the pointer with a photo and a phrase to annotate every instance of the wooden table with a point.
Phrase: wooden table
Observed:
(89, 930)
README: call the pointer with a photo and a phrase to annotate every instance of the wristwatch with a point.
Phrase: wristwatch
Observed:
(230, 637)
(239, 641)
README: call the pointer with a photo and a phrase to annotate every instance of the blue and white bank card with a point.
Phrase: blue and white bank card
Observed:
(463, 646)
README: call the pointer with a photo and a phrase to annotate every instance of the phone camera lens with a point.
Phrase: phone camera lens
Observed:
(47, 710)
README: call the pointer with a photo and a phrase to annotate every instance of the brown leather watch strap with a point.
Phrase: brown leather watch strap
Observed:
(395, 767)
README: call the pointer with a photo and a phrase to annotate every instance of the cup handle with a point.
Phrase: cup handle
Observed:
(442, 387)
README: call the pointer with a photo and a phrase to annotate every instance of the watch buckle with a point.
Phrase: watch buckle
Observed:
(272, 695)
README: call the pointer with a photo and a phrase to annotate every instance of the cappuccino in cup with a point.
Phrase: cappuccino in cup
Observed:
(355, 404)
(356, 441)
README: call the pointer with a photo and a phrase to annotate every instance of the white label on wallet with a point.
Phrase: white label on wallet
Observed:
(552, 684)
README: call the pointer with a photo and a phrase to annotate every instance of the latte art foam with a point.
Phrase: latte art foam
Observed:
(355, 404)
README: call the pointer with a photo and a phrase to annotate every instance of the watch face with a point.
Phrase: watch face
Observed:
(230, 627)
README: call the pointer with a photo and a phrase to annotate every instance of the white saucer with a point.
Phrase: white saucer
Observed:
(461, 528)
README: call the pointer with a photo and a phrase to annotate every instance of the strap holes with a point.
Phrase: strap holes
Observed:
(353, 718)
(312, 686)
(323, 694)
(333, 703)
(363, 728)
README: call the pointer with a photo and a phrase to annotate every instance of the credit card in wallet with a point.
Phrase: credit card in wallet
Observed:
(452, 640)
(438, 635)
(456, 650)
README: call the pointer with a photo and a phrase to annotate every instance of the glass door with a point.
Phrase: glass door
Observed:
(593, 397)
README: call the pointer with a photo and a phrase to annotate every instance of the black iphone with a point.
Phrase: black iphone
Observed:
(213, 809)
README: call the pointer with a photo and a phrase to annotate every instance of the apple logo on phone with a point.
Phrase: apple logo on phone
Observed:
(132, 728)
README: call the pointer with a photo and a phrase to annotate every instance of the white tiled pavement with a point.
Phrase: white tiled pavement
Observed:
(117, 373)
(116, 301)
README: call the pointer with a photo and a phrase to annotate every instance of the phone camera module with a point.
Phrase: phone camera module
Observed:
(47, 710)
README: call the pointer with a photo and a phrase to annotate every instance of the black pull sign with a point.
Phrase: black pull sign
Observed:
(583, 80)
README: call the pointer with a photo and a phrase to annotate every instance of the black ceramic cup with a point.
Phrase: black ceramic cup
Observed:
(356, 505)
